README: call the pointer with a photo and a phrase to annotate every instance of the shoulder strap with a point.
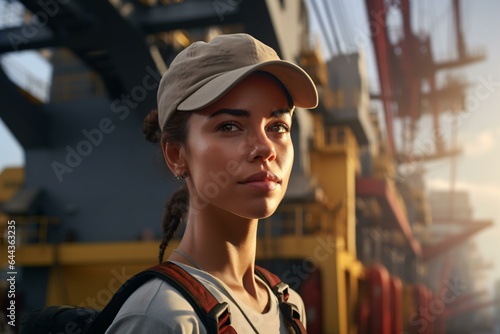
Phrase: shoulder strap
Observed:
(214, 315)
(280, 289)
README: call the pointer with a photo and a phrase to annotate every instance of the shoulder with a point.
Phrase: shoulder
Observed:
(145, 310)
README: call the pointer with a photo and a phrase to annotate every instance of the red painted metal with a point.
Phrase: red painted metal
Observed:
(423, 322)
(431, 251)
(396, 287)
(379, 288)
(311, 293)
(409, 62)
(405, 65)
(377, 14)
(363, 308)
(394, 217)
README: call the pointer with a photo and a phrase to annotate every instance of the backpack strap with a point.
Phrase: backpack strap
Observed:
(280, 289)
(214, 315)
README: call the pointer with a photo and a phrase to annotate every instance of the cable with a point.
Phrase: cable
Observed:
(335, 30)
(323, 27)
(353, 20)
(345, 27)
(452, 42)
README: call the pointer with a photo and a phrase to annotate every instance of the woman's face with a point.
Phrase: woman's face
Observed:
(239, 153)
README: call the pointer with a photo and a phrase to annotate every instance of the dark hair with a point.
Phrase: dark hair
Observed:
(176, 208)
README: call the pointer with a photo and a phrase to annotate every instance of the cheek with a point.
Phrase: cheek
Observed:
(208, 157)
(286, 159)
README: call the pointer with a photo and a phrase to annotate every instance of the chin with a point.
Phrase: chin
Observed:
(260, 211)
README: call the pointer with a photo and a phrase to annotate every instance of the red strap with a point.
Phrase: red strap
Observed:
(204, 298)
(280, 289)
(292, 317)
(217, 314)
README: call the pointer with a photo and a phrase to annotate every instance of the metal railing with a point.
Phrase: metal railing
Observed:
(29, 229)
(298, 220)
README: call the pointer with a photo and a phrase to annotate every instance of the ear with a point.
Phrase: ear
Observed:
(175, 157)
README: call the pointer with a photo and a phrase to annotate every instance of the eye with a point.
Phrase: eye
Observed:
(279, 128)
(228, 127)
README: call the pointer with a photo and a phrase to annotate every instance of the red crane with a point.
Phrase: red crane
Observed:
(407, 75)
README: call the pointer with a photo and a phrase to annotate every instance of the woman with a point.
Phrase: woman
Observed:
(223, 122)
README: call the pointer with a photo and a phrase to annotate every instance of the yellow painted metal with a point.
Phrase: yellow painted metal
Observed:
(35, 255)
(311, 60)
(108, 253)
(334, 162)
(72, 254)
(11, 180)
(29, 227)
(87, 274)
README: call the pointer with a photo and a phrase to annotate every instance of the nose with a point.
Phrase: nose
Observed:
(261, 147)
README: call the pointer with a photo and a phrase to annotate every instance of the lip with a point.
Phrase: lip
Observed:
(262, 176)
(264, 181)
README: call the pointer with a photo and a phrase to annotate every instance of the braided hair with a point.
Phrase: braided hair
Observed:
(176, 208)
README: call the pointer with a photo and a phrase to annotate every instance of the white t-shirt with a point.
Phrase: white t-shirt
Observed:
(157, 307)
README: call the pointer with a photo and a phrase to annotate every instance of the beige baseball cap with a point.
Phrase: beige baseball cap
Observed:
(204, 72)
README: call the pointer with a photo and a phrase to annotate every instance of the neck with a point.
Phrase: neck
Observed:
(223, 245)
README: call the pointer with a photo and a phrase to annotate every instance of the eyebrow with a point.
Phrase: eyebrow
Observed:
(280, 112)
(245, 113)
(233, 112)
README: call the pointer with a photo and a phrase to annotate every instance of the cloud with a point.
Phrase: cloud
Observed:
(481, 144)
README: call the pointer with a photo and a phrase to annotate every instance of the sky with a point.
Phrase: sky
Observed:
(478, 129)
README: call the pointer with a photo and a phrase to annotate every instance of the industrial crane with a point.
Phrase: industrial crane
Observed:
(408, 73)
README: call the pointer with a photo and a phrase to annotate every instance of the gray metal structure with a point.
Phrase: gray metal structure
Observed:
(87, 157)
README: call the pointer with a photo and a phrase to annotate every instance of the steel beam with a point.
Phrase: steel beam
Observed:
(27, 37)
(185, 15)
(25, 119)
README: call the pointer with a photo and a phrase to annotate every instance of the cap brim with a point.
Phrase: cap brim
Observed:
(296, 81)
